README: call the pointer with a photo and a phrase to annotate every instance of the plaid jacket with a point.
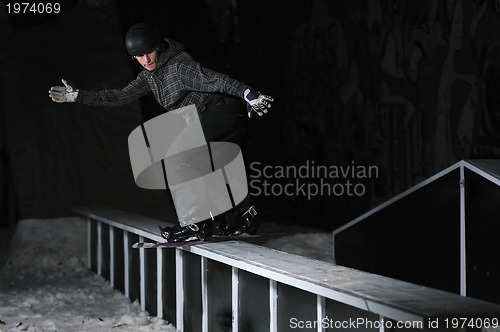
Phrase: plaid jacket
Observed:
(177, 81)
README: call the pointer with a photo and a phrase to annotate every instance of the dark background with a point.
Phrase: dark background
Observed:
(408, 86)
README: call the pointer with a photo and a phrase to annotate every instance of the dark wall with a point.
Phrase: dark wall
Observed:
(66, 155)
(406, 86)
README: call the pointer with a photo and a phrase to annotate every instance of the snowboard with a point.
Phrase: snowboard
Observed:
(151, 245)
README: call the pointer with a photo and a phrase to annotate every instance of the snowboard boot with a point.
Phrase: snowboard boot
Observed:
(249, 221)
(233, 226)
(191, 232)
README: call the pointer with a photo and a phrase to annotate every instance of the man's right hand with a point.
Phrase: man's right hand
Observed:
(64, 94)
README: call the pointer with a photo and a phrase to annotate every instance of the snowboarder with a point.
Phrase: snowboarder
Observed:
(176, 80)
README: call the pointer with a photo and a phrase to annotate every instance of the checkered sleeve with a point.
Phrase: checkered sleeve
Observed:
(197, 78)
(133, 91)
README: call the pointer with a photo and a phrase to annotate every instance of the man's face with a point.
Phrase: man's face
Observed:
(149, 60)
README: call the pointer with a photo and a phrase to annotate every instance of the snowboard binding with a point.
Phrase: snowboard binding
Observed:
(246, 223)
(219, 227)
(191, 232)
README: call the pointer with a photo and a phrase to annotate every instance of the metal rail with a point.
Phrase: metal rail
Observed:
(488, 169)
(240, 286)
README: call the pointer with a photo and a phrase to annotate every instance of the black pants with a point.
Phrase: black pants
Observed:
(222, 121)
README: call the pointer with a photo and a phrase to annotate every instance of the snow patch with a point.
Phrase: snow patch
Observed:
(45, 285)
(48, 247)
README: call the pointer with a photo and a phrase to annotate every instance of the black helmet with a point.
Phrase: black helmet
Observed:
(142, 38)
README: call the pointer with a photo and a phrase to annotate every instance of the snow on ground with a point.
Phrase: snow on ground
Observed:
(45, 285)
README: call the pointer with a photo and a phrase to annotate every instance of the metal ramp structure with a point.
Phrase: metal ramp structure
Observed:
(240, 286)
(442, 233)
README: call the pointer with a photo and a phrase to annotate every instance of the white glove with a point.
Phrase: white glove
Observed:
(64, 94)
(256, 102)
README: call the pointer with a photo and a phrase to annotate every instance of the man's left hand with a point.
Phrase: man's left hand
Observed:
(256, 102)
